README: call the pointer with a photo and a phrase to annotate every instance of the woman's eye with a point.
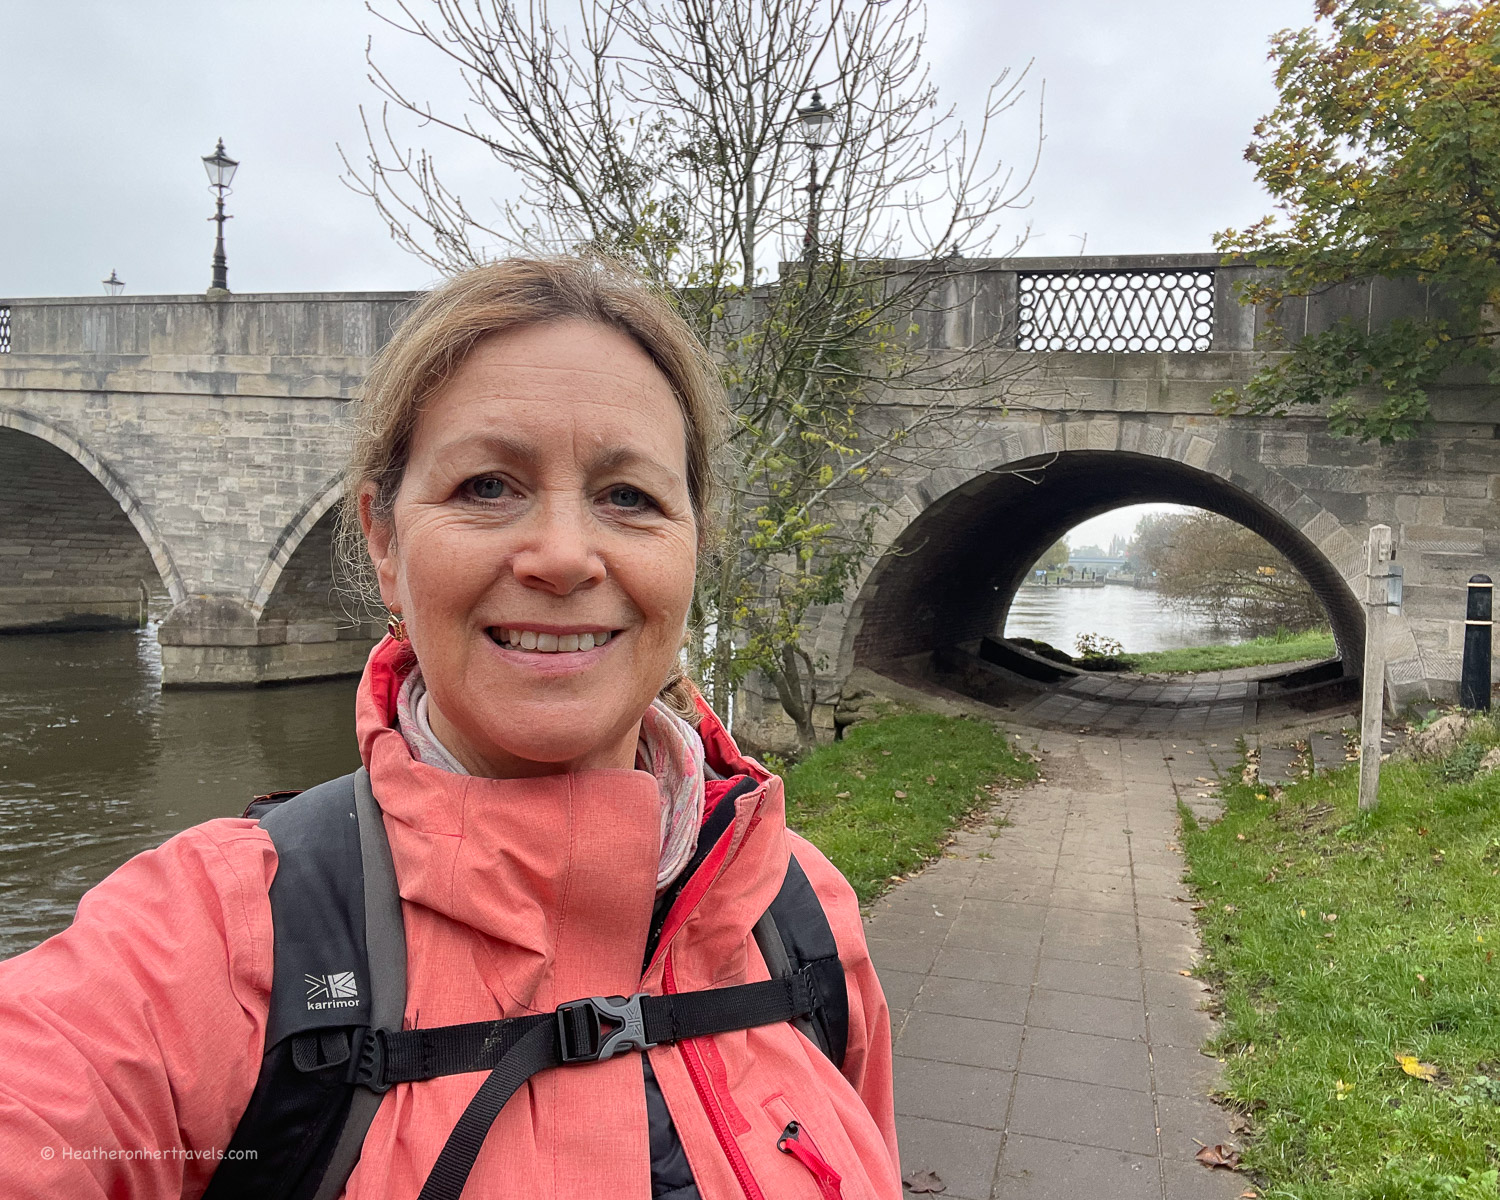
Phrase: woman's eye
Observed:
(487, 487)
(628, 497)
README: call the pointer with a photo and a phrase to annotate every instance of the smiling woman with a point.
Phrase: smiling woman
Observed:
(573, 523)
(547, 811)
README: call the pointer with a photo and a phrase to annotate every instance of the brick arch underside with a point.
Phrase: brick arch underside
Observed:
(952, 574)
(70, 558)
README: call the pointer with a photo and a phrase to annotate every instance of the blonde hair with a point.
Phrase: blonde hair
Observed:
(499, 297)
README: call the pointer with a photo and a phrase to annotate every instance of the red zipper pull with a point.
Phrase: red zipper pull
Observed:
(828, 1180)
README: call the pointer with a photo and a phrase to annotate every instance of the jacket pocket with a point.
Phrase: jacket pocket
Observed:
(795, 1142)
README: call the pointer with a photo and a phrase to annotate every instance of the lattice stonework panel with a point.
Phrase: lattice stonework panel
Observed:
(4, 330)
(1115, 310)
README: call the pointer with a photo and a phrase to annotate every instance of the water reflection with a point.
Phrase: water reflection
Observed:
(98, 764)
(1138, 620)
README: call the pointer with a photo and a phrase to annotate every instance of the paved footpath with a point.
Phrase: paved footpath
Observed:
(1046, 1040)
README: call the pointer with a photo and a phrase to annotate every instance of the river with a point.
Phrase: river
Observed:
(97, 763)
(1137, 619)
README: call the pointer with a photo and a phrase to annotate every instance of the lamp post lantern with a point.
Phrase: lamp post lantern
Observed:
(220, 168)
(114, 285)
(817, 124)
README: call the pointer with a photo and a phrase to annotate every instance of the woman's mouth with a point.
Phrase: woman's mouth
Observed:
(548, 643)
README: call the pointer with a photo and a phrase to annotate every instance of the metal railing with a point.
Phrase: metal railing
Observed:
(1118, 310)
(4, 329)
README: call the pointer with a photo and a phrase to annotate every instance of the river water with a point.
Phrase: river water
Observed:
(1138, 620)
(97, 763)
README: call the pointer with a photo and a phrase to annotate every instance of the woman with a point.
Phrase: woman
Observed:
(531, 483)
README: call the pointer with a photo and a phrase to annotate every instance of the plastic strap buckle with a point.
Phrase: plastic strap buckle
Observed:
(367, 1062)
(608, 1025)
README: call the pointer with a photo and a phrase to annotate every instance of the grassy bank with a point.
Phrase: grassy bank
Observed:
(1258, 652)
(882, 801)
(1340, 941)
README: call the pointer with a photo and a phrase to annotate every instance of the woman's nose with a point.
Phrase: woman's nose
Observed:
(559, 553)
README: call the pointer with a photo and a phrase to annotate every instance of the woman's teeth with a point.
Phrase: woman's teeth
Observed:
(549, 643)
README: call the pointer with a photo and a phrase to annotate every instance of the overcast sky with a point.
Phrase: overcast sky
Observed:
(110, 106)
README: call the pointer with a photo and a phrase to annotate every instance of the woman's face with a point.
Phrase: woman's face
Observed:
(544, 508)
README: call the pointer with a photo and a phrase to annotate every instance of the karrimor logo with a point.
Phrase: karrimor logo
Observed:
(338, 990)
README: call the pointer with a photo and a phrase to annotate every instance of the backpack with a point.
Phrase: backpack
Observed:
(334, 1041)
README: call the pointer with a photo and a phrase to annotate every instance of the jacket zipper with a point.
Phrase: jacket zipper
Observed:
(699, 1076)
(827, 1179)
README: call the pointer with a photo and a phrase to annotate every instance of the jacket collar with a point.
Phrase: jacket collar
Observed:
(558, 873)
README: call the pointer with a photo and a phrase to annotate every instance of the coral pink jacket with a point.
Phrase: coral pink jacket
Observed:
(130, 1043)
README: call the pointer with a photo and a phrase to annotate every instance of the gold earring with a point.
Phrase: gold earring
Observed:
(395, 625)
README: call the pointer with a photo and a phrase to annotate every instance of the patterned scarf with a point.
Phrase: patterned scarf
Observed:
(669, 749)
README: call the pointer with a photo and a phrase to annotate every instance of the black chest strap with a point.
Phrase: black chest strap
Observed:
(581, 1031)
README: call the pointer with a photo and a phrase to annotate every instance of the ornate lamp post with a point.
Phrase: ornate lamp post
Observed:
(220, 168)
(114, 285)
(817, 124)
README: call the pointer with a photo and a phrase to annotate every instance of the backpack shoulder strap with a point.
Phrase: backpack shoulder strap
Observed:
(807, 941)
(340, 964)
(385, 946)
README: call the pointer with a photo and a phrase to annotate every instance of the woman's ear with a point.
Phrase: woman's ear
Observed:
(380, 541)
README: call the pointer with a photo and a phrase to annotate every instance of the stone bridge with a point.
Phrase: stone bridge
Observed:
(192, 447)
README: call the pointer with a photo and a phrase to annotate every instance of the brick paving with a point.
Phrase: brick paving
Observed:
(1046, 1042)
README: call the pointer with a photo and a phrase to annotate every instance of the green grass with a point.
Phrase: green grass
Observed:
(1337, 941)
(843, 796)
(1258, 652)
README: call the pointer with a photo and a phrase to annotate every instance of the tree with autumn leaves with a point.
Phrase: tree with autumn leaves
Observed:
(1383, 156)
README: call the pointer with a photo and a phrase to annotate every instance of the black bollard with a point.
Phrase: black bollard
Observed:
(1474, 681)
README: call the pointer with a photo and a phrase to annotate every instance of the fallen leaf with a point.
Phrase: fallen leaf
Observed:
(1239, 1123)
(1189, 974)
(885, 754)
(932, 779)
(1249, 1194)
(1239, 837)
(1199, 779)
(925, 1183)
(841, 795)
(1418, 1070)
(1219, 1156)
(900, 795)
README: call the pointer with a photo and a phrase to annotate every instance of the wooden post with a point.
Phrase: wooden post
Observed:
(1372, 714)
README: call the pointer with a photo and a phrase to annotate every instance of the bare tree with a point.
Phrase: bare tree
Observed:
(1209, 564)
(816, 256)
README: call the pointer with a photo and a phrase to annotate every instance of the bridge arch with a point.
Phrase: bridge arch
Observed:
(961, 541)
(128, 505)
(322, 505)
